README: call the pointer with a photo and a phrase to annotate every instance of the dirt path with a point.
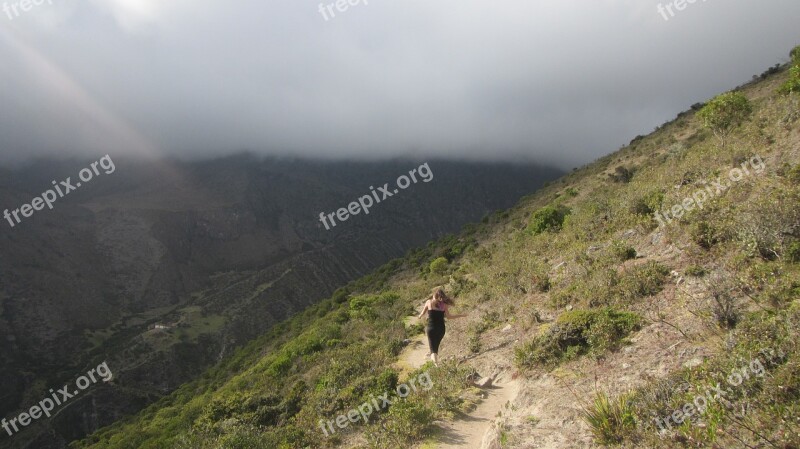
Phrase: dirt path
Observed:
(467, 431)
(470, 431)
(413, 356)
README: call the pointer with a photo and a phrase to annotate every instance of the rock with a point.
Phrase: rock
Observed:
(626, 365)
(569, 307)
(493, 437)
(507, 328)
(485, 382)
(693, 362)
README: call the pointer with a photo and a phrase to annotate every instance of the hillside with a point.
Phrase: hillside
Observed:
(598, 323)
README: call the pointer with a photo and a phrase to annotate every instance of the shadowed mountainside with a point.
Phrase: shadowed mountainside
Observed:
(216, 252)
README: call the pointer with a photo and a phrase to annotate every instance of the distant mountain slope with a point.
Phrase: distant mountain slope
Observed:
(610, 321)
(217, 251)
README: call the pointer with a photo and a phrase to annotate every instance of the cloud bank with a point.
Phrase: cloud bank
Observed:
(557, 81)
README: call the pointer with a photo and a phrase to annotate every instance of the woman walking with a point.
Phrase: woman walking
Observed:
(438, 308)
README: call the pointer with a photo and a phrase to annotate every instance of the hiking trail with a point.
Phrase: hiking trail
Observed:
(466, 431)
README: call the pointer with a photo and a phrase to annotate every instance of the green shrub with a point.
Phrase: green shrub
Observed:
(406, 422)
(542, 282)
(548, 218)
(341, 317)
(695, 270)
(281, 365)
(361, 308)
(621, 175)
(439, 266)
(622, 252)
(415, 329)
(793, 252)
(786, 384)
(340, 295)
(578, 332)
(642, 281)
(386, 381)
(704, 234)
(488, 321)
(648, 204)
(792, 85)
(475, 343)
(725, 305)
(610, 420)
(793, 174)
(724, 113)
(460, 285)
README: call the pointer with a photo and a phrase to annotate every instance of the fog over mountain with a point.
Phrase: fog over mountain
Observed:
(479, 80)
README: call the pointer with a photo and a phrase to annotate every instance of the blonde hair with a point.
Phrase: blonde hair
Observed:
(440, 295)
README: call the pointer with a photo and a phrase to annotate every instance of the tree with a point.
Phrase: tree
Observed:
(724, 113)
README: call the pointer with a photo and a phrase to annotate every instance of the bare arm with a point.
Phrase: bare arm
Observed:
(424, 309)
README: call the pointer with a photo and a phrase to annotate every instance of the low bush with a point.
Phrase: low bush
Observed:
(724, 113)
(642, 281)
(793, 252)
(792, 85)
(695, 271)
(548, 218)
(578, 332)
(610, 420)
(622, 252)
(621, 175)
(648, 204)
(704, 234)
(439, 266)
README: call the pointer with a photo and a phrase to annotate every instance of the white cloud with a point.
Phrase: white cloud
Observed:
(563, 79)
(133, 15)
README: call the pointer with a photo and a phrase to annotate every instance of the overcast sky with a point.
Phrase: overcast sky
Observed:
(561, 81)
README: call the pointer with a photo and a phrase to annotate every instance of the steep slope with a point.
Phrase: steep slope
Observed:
(607, 320)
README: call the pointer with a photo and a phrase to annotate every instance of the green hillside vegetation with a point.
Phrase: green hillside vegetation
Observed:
(586, 250)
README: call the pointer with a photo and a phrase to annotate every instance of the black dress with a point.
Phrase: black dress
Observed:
(435, 329)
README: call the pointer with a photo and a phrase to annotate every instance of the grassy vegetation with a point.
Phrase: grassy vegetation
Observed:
(792, 85)
(575, 333)
(611, 420)
(759, 406)
(548, 218)
(576, 266)
(725, 112)
(322, 363)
